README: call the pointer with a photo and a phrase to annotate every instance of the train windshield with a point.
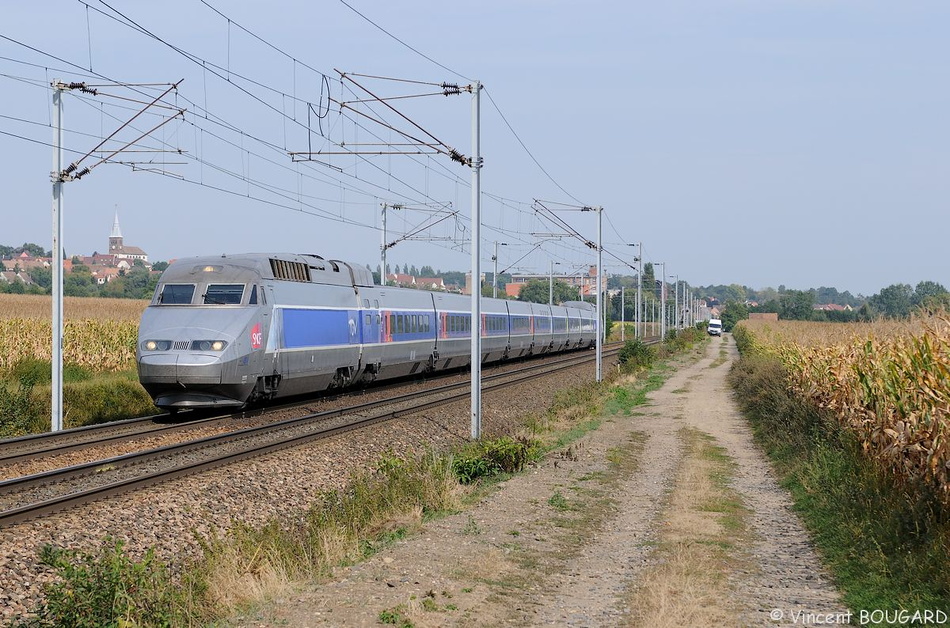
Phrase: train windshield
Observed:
(176, 293)
(224, 294)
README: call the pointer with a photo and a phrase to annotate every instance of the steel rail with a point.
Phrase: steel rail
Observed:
(48, 506)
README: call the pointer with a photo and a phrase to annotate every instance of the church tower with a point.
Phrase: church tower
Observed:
(115, 239)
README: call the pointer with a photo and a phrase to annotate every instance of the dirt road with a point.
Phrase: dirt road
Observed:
(666, 517)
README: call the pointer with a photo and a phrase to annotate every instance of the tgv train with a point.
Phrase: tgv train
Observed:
(234, 329)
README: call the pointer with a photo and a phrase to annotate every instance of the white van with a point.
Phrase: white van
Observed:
(715, 327)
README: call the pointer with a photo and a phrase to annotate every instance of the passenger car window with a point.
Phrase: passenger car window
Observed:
(177, 293)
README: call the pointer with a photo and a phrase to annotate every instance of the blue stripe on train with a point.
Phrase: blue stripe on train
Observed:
(319, 328)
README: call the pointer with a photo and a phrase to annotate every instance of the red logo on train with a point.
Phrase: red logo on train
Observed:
(256, 336)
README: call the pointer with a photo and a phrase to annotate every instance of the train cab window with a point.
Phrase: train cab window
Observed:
(223, 294)
(177, 294)
(252, 300)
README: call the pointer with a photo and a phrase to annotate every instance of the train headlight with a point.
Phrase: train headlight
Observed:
(157, 345)
(208, 345)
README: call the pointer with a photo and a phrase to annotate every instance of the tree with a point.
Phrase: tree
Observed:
(14, 287)
(43, 277)
(796, 305)
(33, 250)
(732, 313)
(538, 290)
(80, 283)
(159, 266)
(427, 271)
(930, 295)
(648, 278)
(413, 271)
(894, 301)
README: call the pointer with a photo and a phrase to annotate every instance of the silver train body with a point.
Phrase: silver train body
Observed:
(229, 330)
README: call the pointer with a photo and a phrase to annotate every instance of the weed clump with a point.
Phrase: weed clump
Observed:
(487, 458)
(107, 589)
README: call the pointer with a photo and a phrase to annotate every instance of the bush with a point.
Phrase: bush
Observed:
(18, 413)
(682, 339)
(32, 371)
(105, 399)
(635, 355)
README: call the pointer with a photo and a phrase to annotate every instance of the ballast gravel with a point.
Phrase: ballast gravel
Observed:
(172, 517)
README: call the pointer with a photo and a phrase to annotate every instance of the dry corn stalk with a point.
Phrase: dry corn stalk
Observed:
(887, 382)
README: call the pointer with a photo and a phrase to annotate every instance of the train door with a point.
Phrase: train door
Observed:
(272, 366)
(370, 323)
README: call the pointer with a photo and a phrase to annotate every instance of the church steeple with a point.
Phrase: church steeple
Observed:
(115, 239)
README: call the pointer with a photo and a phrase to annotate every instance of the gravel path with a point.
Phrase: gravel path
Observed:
(564, 544)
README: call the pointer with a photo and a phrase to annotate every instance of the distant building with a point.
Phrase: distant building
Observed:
(430, 283)
(468, 282)
(104, 267)
(832, 307)
(9, 276)
(401, 279)
(122, 251)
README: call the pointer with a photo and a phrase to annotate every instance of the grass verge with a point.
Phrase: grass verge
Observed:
(887, 546)
(88, 397)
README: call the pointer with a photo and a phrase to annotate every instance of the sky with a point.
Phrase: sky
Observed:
(789, 143)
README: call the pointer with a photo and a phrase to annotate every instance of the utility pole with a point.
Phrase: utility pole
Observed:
(61, 175)
(600, 293)
(676, 301)
(662, 302)
(551, 284)
(384, 245)
(58, 177)
(623, 322)
(640, 290)
(494, 277)
(476, 411)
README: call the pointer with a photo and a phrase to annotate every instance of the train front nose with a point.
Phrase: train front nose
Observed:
(170, 368)
(191, 379)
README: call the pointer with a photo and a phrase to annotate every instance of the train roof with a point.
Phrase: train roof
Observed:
(300, 267)
(580, 305)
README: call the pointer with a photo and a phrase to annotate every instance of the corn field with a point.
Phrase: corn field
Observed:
(888, 383)
(40, 306)
(98, 334)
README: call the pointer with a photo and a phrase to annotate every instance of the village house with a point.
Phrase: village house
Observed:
(104, 267)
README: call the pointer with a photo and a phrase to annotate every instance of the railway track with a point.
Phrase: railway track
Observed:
(34, 447)
(36, 495)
